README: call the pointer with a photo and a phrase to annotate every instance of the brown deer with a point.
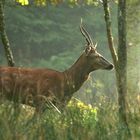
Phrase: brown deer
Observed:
(35, 87)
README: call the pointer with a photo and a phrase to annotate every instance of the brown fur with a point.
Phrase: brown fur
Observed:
(34, 86)
(37, 86)
(30, 86)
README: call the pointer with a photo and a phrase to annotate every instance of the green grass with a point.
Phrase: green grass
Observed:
(77, 122)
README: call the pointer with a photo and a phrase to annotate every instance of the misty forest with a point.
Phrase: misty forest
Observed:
(69, 70)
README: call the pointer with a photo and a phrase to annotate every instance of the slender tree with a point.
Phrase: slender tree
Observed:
(4, 37)
(122, 61)
(120, 58)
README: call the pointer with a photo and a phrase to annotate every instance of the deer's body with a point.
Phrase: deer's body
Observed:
(26, 84)
(34, 86)
(31, 84)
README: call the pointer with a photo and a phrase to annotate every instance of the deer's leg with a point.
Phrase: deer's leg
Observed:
(39, 103)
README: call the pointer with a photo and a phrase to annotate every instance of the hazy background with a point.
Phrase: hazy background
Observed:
(50, 37)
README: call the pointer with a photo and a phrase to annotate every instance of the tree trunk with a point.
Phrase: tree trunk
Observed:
(122, 63)
(109, 32)
(120, 59)
(4, 37)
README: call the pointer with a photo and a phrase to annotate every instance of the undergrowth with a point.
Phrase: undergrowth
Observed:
(78, 122)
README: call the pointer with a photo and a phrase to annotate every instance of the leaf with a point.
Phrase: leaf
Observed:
(23, 2)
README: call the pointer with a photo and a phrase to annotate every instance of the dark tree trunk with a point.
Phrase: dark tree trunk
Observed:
(4, 37)
(120, 59)
(122, 63)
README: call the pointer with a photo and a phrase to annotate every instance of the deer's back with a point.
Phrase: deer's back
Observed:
(22, 83)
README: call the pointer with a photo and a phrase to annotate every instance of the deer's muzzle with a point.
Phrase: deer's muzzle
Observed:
(110, 67)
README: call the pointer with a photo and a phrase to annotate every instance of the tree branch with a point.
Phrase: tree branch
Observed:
(109, 32)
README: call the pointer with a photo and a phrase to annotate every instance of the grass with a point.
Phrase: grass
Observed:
(77, 122)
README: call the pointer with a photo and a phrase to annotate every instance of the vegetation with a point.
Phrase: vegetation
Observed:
(78, 118)
(79, 121)
(49, 37)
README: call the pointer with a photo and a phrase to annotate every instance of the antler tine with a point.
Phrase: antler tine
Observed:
(83, 33)
(87, 34)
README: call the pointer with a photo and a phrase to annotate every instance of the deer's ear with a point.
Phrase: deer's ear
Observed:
(88, 50)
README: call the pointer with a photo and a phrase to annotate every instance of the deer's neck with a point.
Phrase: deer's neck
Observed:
(76, 75)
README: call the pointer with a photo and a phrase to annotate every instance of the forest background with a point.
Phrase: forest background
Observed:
(50, 37)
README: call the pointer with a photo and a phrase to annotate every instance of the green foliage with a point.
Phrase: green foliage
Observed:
(23, 2)
(86, 113)
(78, 122)
(77, 118)
(133, 22)
(133, 2)
(56, 2)
(41, 34)
(133, 31)
(50, 37)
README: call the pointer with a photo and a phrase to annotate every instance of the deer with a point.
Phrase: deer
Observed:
(37, 86)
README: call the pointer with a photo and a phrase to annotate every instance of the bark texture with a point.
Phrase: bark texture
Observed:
(119, 58)
(109, 32)
(122, 63)
(4, 37)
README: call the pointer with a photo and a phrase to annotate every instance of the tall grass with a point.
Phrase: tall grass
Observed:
(77, 122)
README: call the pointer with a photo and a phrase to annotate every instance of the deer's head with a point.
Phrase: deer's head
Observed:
(94, 59)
